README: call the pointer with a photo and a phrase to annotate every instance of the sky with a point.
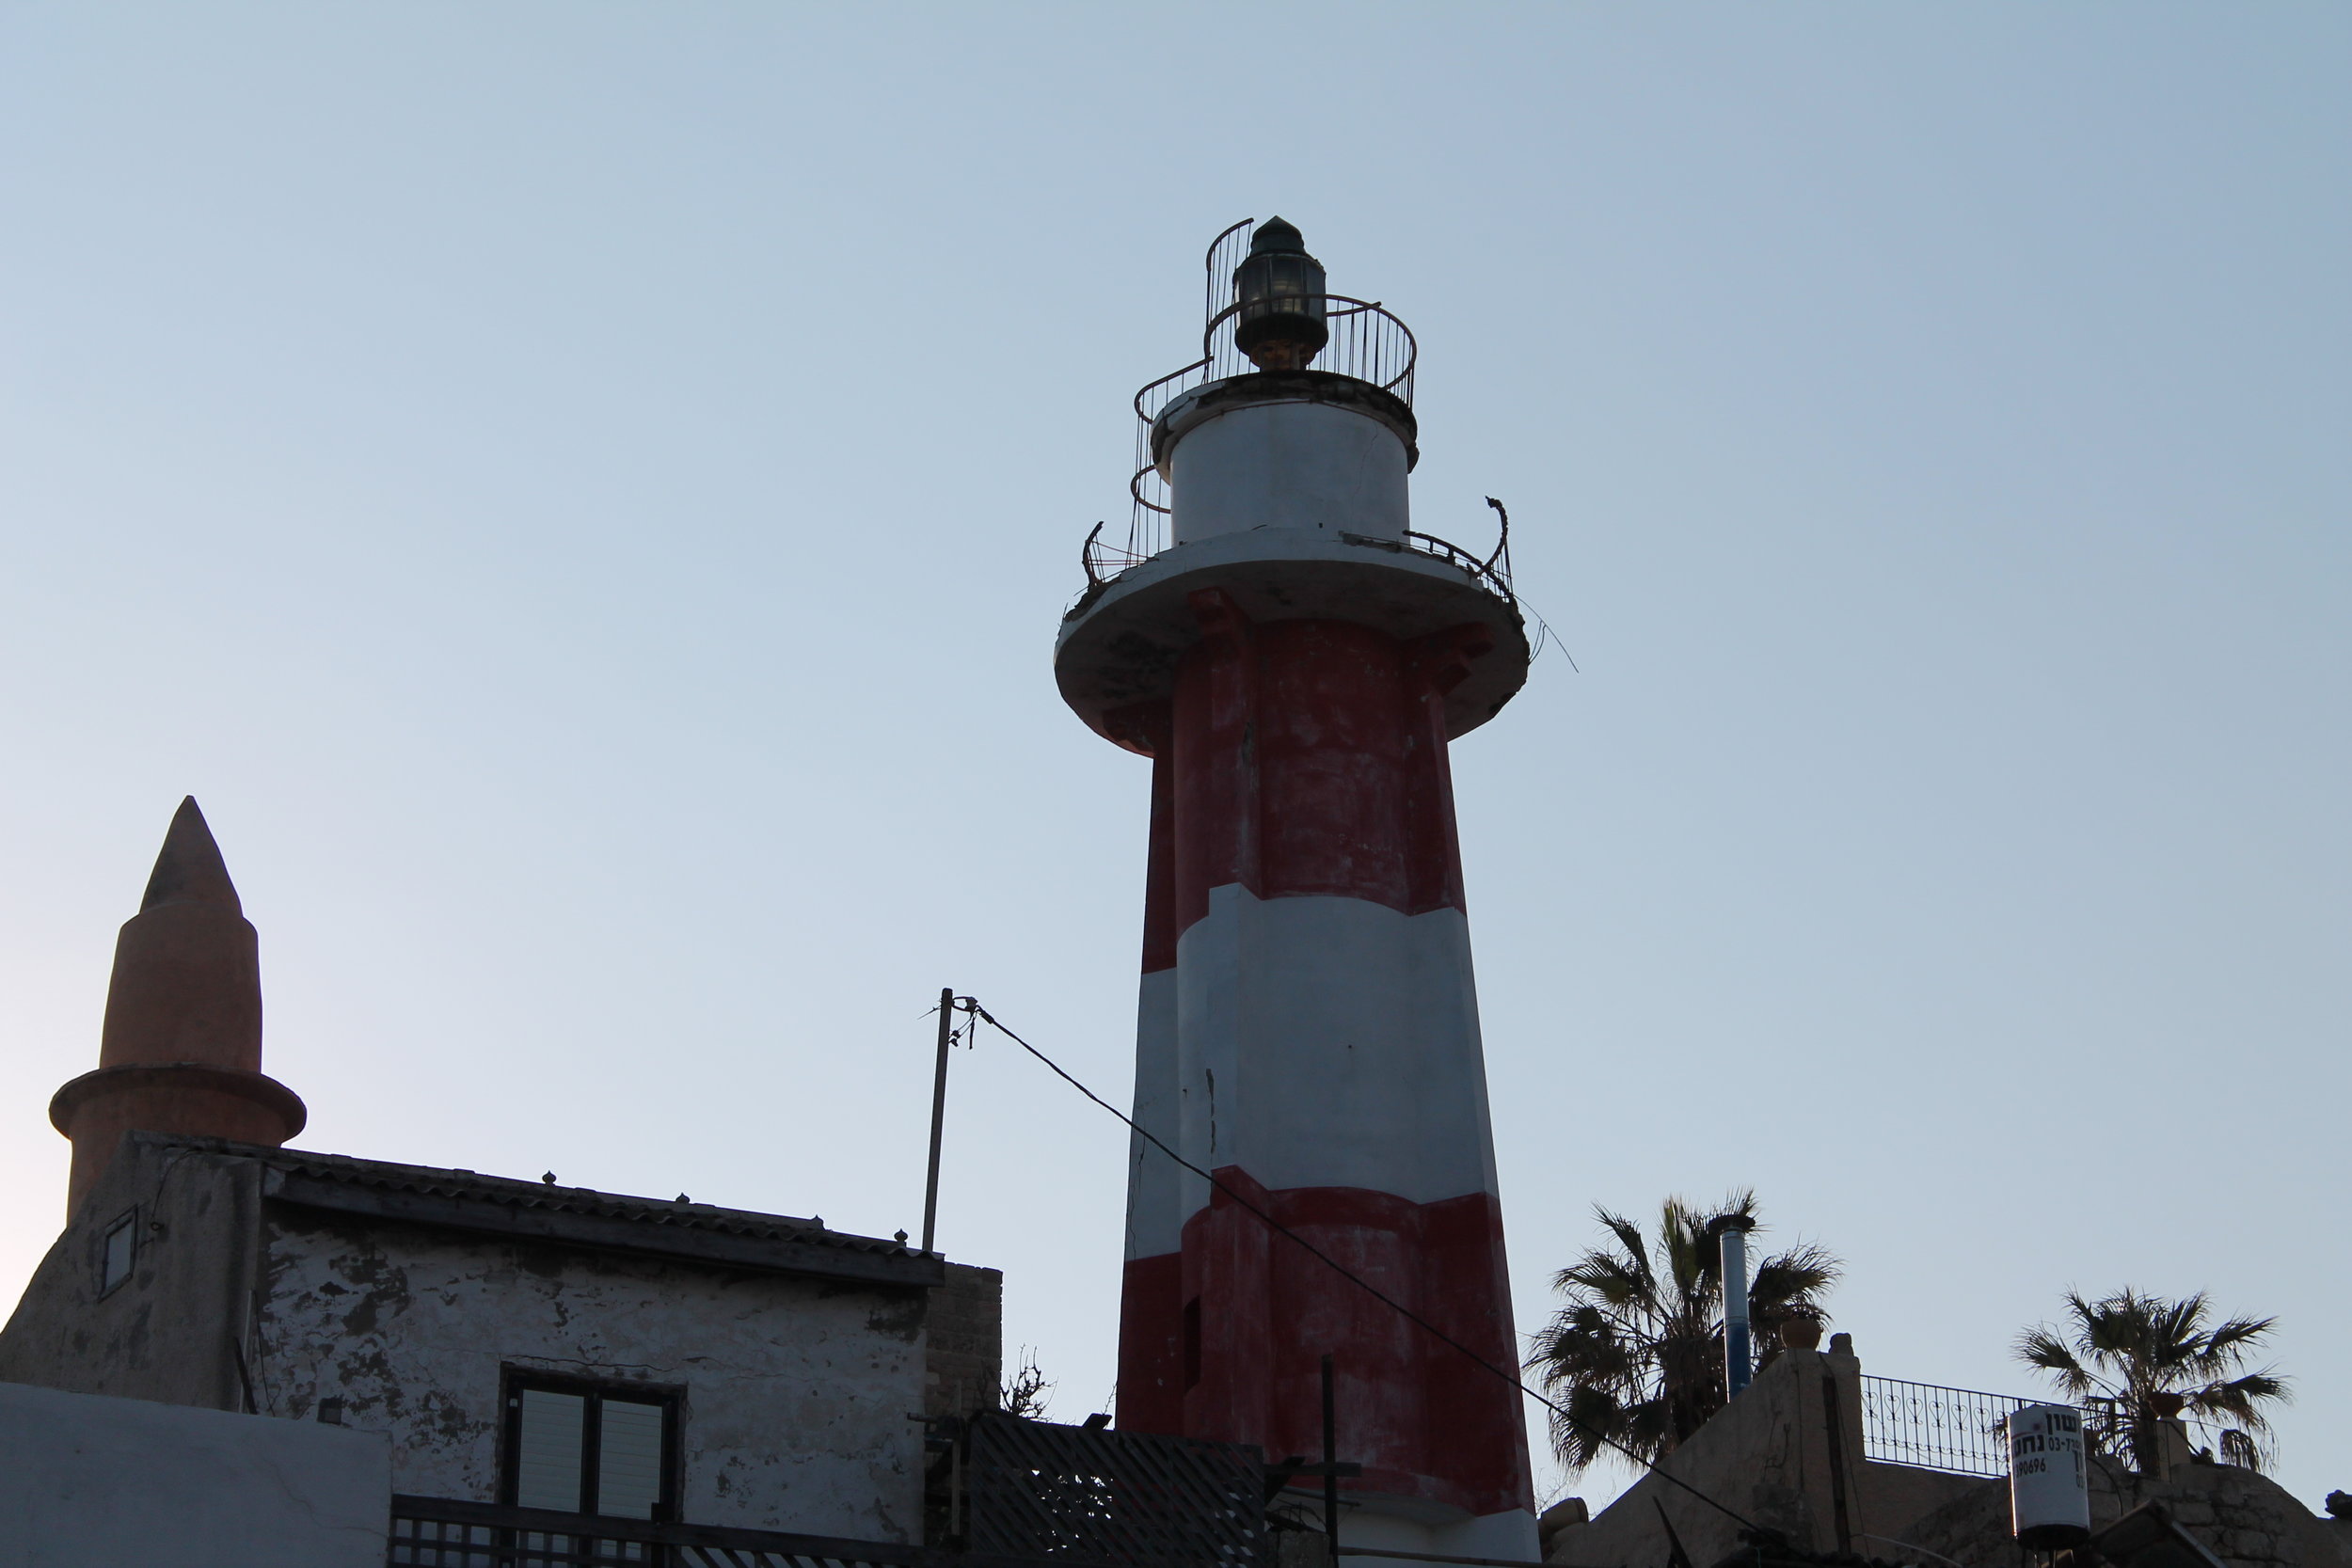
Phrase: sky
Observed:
(583, 493)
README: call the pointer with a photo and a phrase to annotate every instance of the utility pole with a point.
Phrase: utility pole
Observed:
(1330, 1466)
(939, 1118)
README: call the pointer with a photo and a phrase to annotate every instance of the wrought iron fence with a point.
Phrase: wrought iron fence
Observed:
(1079, 1494)
(1967, 1431)
(1960, 1429)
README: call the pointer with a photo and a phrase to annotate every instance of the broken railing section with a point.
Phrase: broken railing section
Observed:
(1088, 1494)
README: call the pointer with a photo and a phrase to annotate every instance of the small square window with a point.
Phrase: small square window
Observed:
(119, 1252)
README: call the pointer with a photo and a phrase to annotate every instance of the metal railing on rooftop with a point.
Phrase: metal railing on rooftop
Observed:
(1963, 1430)
(444, 1532)
(1966, 1431)
(1960, 1429)
(1022, 1493)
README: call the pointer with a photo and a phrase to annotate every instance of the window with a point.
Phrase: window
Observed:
(578, 1447)
(119, 1252)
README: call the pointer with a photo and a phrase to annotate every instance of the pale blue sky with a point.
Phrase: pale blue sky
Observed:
(582, 493)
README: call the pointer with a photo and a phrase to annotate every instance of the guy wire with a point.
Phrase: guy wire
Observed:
(971, 1005)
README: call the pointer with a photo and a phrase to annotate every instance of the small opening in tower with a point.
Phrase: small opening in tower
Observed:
(119, 1252)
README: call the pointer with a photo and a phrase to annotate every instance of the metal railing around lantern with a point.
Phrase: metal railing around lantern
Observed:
(1366, 342)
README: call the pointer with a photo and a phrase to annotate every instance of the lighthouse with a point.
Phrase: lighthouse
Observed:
(1295, 659)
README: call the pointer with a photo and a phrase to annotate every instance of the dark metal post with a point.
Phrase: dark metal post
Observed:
(1330, 1466)
(939, 1118)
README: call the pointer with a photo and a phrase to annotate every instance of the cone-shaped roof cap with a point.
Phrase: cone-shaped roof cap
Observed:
(1277, 235)
(190, 870)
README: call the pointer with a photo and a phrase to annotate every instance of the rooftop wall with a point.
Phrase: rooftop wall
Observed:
(85, 1478)
(1786, 1456)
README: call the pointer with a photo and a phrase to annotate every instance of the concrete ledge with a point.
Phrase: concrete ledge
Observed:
(1120, 644)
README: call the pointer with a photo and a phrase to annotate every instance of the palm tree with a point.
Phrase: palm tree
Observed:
(1636, 1356)
(2155, 1360)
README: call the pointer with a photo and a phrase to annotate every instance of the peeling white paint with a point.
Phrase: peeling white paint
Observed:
(796, 1392)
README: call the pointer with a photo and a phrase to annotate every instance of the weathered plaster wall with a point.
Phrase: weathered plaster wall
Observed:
(170, 1333)
(2248, 1519)
(965, 1342)
(87, 1480)
(1767, 1454)
(796, 1393)
(1896, 1495)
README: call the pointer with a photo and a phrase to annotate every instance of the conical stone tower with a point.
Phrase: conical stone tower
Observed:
(181, 1046)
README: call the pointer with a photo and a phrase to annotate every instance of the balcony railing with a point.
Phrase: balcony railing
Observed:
(442, 1532)
(1022, 1493)
(1960, 1429)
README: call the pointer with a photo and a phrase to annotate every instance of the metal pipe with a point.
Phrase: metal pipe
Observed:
(1738, 1344)
(939, 1118)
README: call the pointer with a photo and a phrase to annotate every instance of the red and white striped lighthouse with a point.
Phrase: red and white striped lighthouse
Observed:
(1295, 660)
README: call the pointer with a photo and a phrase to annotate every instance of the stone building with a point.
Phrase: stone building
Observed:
(2243, 1517)
(518, 1344)
(1810, 1451)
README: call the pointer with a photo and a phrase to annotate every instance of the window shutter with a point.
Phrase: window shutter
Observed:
(628, 1459)
(551, 1443)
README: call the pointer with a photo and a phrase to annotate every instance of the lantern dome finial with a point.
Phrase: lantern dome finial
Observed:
(1277, 235)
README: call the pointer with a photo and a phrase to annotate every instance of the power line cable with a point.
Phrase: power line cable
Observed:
(971, 1005)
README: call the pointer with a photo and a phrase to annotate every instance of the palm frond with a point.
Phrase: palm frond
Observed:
(2143, 1351)
(2238, 1399)
(1635, 1350)
(2226, 1346)
(1795, 1276)
(1628, 1237)
(2042, 1347)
